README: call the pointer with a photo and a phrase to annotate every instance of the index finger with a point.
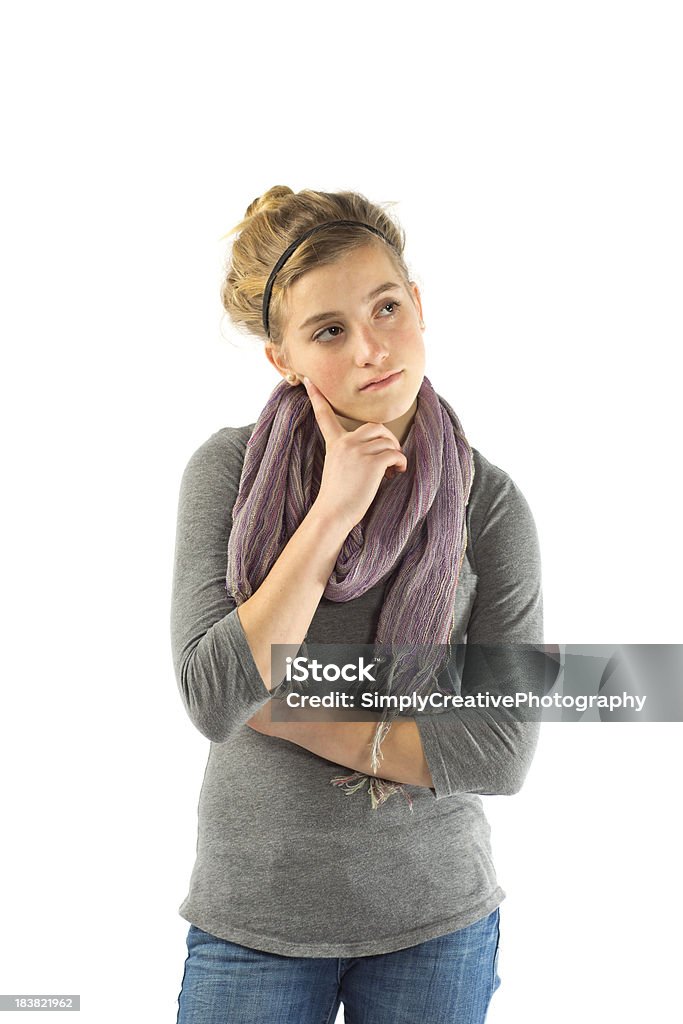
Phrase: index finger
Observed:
(330, 426)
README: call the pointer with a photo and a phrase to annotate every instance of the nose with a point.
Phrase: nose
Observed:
(370, 347)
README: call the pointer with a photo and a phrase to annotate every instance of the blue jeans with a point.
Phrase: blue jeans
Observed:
(447, 979)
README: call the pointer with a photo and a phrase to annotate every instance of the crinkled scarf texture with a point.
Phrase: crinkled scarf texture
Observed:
(415, 529)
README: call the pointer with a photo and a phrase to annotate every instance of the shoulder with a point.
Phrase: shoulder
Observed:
(214, 469)
(498, 512)
(488, 480)
(225, 449)
(224, 444)
(489, 485)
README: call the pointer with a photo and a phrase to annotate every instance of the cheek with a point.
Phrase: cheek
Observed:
(326, 373)
(410, 347)
(417, 350)
(328, 382)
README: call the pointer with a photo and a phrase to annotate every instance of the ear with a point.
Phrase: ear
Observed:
(417, 299)
(276, 358)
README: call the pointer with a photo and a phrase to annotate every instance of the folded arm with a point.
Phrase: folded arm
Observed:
(350, 744)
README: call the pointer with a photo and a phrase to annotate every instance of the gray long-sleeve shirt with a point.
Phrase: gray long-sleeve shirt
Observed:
(285, 861)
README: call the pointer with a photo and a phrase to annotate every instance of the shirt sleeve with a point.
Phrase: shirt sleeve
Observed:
(219, 683)
(473, 750)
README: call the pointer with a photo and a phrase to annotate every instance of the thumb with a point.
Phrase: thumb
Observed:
(330, 427)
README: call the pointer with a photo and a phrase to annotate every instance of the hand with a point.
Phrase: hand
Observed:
(356, 461)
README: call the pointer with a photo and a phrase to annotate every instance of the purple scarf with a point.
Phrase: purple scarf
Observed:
(416, 525)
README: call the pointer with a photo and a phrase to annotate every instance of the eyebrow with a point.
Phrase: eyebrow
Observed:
(317, 317)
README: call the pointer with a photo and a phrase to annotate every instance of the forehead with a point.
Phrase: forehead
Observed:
(350, 278)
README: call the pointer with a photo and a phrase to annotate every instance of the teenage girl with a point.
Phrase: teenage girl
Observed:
(338, 862)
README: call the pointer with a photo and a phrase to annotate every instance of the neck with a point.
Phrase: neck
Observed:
(399, 427)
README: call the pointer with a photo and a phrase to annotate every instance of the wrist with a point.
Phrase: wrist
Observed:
(330, 524)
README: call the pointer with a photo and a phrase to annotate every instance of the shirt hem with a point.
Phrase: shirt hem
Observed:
(390, 944)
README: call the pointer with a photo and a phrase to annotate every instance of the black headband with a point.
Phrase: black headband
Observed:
(290, 249)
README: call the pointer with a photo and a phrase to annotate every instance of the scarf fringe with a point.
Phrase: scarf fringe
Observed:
(379, 789)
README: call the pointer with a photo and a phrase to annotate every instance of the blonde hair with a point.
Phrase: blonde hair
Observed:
(271, 223)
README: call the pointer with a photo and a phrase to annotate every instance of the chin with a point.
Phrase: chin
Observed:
(392, 406)
(384, 412)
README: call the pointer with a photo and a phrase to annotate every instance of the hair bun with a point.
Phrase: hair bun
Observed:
(269, 200)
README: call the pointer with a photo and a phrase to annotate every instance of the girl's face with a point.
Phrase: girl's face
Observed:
(349, 324)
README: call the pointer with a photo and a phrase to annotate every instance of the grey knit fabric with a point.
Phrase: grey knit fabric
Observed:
(286, 862)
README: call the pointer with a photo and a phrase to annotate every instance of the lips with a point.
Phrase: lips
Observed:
(378, 380)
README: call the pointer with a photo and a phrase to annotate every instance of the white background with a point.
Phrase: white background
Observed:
(534, 150)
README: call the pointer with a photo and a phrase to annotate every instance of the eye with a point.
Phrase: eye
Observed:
(319, 337)
(391, 302)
